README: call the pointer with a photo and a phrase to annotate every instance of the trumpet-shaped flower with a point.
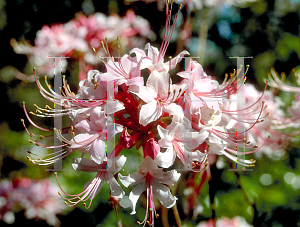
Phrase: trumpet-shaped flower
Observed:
(150, 178)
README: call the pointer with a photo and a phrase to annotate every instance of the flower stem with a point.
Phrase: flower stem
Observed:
(164, 217)
(203, 30)
(176, 214)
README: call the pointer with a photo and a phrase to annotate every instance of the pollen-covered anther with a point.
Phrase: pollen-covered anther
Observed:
(30, 141)
(157, 215)
(138, 222)
(38, 111)
(59, 193)
(41, 137)
(148, 222)
(256, 146)
(31, 113)
(66, 203)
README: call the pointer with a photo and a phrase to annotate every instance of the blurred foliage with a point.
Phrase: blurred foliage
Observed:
(267, 30)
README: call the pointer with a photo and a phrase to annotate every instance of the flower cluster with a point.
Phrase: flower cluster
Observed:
(38, 199)
(76, 38)
(164, 119)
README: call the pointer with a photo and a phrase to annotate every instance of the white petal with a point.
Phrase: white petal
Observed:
(163, 194)
(113, 106)
(169, 177)
(115, 188)
(166, 159)
(131, 179)
(174, 109)
(158, 84)
(166, 139)
(146, 95)
(150, 112)
(116, 164)
(135, 195)
(98, 150)
(86, 165)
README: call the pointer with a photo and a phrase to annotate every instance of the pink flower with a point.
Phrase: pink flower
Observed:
(104, 170)
(150, 178)
(180, 141)
(39, 199)
(160, 96)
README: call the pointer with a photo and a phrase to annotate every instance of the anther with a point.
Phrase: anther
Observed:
(66, 203)
(30, 141)
(59, 193)
(157, 215)
(148, 222)
(256, 146)
(138, 222)
(29, 152)
(30, 113)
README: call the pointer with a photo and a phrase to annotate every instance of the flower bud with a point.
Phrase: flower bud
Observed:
(126, 141)
(151, 148)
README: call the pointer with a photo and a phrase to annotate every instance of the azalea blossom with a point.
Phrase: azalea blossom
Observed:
(105, 170)
(38, 199)
(160, 118)
(77, 37)
(150, 178)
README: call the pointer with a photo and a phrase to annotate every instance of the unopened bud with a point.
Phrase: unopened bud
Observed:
(126, 140)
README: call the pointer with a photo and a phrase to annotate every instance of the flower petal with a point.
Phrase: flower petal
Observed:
(150, 112)
(116, 164)
(131, 179)
(115, 188)
(166, 159)
(86, 165)
(163, 194)
(158, 84)
(169, 177)
(135, 195)
(98, 150)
